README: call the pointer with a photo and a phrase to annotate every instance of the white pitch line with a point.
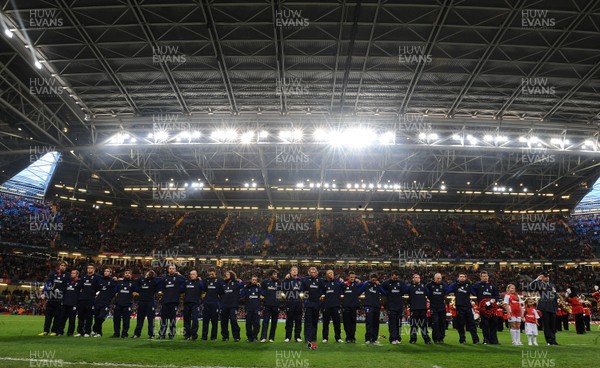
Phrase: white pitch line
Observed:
(106, 364)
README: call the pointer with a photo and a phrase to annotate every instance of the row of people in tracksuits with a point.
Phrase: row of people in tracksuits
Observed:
(91, 296)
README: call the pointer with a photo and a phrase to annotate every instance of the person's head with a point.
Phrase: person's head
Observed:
(127, 274)
(74, 274)
(193, 275)
(437, 278)
(212, 273)
(172, 269)
(511, 288)
(294, 271)
(230, 275)
(529, 302)
(150, 274)
(416, 278)
(545, 276)
(462, 277)
(254, 280)
(273, 275)
(62, 266)
(395, 275)
(329, 275)
(107, 272)
(373, 277)
(484, 276)
(351, 276)
(91, 269)
(313, 272)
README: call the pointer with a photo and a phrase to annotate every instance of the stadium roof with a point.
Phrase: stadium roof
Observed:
(442, 101)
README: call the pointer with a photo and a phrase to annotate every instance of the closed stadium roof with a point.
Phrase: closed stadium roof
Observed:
(423, 105)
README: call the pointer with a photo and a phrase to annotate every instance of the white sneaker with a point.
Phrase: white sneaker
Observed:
(271, 340)
(340, 341)
(298, 340)
(263, 340)
(324, 341)
(395, 342)
(286, 340)
(368, 343)
(530, 344)
(78, 335)
(377, 343)
(97, 335)
(86, 335)
(535, 344)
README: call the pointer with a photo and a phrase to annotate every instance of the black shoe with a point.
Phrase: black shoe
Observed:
(135, 337)
(151, 337)
(413, 341)
(161, 338)
(124, 336)
(195, 337)
(428, 342)
(204, 339)
(462, 342)
(171, 337)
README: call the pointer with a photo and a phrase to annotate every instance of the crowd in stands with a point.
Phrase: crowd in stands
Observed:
(145, 231)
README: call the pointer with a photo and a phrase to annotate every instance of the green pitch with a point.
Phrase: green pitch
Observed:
(21, 347)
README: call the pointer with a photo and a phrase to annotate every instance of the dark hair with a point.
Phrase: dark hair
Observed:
(232, 275)
(483, 273)
(373, 276)
(395, 273)
(151, 273)
(272, 272)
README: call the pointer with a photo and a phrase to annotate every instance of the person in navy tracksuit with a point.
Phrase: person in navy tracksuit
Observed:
(291, 288)
(213, 288)
(350, 303)
(106, 288)
(271, 289)
(123, 303)
(251, 292)
(330, 306)
(53, 292)
(85, 307)
(464, 311)
(229, 306)
(437, 305)
(191, 306)
(311, 285)
(486, 290)
(372, 304)
(417, 297)
(69, 304)
(394, 289)
(171, 286)
(147, 286)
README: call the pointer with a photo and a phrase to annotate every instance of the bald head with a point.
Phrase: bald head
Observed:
(437, 278)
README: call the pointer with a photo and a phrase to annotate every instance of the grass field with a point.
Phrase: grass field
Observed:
(21, 347)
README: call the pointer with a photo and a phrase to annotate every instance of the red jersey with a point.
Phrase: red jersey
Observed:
(499, 312)
(531, 315)
(587, 311)
(576, 306)
(514, 303)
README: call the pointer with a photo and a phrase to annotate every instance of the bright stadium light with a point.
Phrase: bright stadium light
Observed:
(218, 134)
(488, 138)
(247, 137)
(387, 138)
(456, 137)
(422, 136)
(38, 64)
(358, 137)
(522, 140)
(263, 134)
(196, 134)
(161, 136)
(8, 33)
(432, 136)
(297, 134)
(320, 135)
